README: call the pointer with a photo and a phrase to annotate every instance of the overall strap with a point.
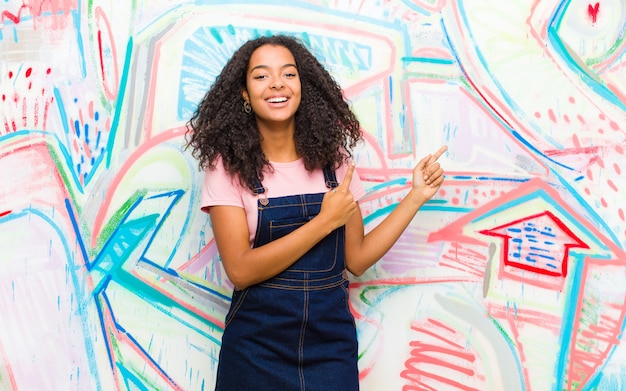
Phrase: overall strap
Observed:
(259, 190)
(330, 178)
(258, 187)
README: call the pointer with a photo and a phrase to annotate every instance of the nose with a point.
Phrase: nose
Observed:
(278, 84)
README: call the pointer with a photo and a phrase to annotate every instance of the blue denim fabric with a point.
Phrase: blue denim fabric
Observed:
(295, 330)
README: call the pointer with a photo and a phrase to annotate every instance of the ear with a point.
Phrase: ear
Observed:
(245, 96)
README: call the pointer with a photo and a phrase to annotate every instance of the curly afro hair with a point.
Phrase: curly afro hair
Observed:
(326, 128)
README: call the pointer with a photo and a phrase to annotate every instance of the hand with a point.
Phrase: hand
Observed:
(428, 175)
(339, 204)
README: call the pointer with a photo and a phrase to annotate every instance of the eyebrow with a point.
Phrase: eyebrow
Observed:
(267, 66)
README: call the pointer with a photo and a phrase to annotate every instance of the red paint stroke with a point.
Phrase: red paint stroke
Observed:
(462, 257)
(438, 346)
(106, 43)
(524, 316)
(572, 151)
(592, 11)
(5, 213)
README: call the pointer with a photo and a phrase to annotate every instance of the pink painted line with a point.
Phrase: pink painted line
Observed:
(180, 301)
(411, 281)
(200, 260)
(8, 370)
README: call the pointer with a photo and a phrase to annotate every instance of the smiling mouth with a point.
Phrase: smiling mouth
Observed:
(277, 100)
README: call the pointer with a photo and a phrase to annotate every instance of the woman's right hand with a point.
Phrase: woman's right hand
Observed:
(338, 204)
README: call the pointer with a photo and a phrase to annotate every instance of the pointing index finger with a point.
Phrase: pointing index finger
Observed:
(348, 178)
(437, 154)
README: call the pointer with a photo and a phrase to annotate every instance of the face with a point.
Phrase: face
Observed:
(273, 86)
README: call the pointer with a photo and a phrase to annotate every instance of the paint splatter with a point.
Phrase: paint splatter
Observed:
(592, 11)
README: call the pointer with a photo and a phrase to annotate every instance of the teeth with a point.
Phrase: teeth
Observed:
(277, 100)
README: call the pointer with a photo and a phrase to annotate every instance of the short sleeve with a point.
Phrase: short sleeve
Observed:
(220, 188)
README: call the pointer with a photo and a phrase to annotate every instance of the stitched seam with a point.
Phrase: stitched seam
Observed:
(302, 287)
(305, 312)
(236, 307)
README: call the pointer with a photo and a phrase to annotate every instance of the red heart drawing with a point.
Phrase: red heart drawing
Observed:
(593, 10)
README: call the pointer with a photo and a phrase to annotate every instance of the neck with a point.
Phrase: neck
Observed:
(278, 144)
(280, 151)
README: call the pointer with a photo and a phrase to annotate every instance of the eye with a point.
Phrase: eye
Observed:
(259, 77)
(291, 73)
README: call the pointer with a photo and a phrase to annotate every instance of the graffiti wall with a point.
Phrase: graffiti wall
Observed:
(513, 277)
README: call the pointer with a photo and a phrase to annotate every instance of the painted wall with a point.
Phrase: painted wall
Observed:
(511, 278)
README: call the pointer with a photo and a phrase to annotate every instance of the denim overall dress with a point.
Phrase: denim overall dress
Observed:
(293, 332)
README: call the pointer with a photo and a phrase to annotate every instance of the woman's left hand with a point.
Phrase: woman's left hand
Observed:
(428, 175)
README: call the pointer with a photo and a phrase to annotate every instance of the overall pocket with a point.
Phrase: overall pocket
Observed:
(321, 258)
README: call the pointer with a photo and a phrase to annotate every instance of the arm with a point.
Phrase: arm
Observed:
(246, 266)
(362, 251)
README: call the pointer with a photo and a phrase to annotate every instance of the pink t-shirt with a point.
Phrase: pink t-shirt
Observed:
(287, 179)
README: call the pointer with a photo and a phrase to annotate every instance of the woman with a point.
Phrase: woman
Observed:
(274, 135)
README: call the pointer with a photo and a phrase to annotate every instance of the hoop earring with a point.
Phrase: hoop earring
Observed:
(247, 108)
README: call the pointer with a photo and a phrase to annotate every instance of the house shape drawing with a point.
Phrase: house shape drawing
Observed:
(545, 256)
(538, 243)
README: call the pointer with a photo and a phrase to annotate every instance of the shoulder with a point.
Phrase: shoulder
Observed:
(217, 173)
(220, 187)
